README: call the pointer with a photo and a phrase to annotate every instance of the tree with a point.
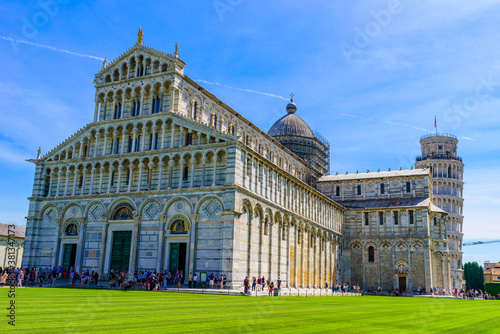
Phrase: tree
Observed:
(474, 276)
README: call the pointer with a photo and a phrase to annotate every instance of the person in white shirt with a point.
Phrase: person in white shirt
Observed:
(20, 278)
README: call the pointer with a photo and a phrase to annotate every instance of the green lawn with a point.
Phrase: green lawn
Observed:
(48, 310)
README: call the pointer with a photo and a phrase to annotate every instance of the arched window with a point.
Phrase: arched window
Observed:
(214, 124)
(155, 108)
(371, 254)
(117, 112)
(189, 139)
(195, 110)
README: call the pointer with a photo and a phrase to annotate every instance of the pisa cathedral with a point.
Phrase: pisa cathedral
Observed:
(168, 177)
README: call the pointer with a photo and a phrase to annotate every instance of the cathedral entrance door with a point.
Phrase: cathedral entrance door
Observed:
(69, 256)
(120, 251)
(402, 284)
(177, 258)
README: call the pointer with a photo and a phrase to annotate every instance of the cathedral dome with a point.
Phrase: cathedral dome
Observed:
(291, 124)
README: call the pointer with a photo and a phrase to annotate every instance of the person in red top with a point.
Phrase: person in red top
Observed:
(271, 288)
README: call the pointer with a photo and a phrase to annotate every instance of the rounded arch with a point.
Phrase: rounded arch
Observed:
(269, 213)
(371, 244)
(45, 209)
(117, 202)
(355, 245)
(258, 211)
(277, 217)
(206, 198)
(175, 199)
(94, 210)
(67, 206)
(148, 210)
(246, 207)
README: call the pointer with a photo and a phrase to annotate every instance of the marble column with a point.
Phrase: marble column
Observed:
(161, 242)
(80, 244)
(75, 181)
(139, 181)
(59, 174)
(55, 257)
(191, 178)
(182, 163)
(162, 145)
(103, 246)
(135, 240)
(214, 181)
(91, 191)
(68, 173)
(118, 184)
(160, 171)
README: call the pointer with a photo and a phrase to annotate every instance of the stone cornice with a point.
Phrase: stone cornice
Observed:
(133, 193)
(139, 154)
(168, 74)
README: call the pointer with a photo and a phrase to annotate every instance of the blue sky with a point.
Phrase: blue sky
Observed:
(369, 75)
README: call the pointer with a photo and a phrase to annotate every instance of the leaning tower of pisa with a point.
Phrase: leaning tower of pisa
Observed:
(439, 153)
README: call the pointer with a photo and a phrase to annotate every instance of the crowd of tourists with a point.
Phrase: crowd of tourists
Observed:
(28, 277)
(153, 281)
(148, 280)
(261, 284)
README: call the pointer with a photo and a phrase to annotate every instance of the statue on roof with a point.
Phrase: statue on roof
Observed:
(39, 153)
(105, 63)
(139, 36)
(176, 53)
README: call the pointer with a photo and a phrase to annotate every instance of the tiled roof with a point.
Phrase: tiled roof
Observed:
(390, 203)
(291, 125)
(375, 175)
(19, 231)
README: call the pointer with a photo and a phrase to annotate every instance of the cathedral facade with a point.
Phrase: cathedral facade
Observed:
(169, 177)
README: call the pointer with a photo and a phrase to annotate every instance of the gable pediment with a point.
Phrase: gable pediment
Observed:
(138, 61)
(86, 135)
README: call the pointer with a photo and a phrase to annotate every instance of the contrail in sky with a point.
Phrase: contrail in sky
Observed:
(410, 126)
(242, 89)
(50, 48)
